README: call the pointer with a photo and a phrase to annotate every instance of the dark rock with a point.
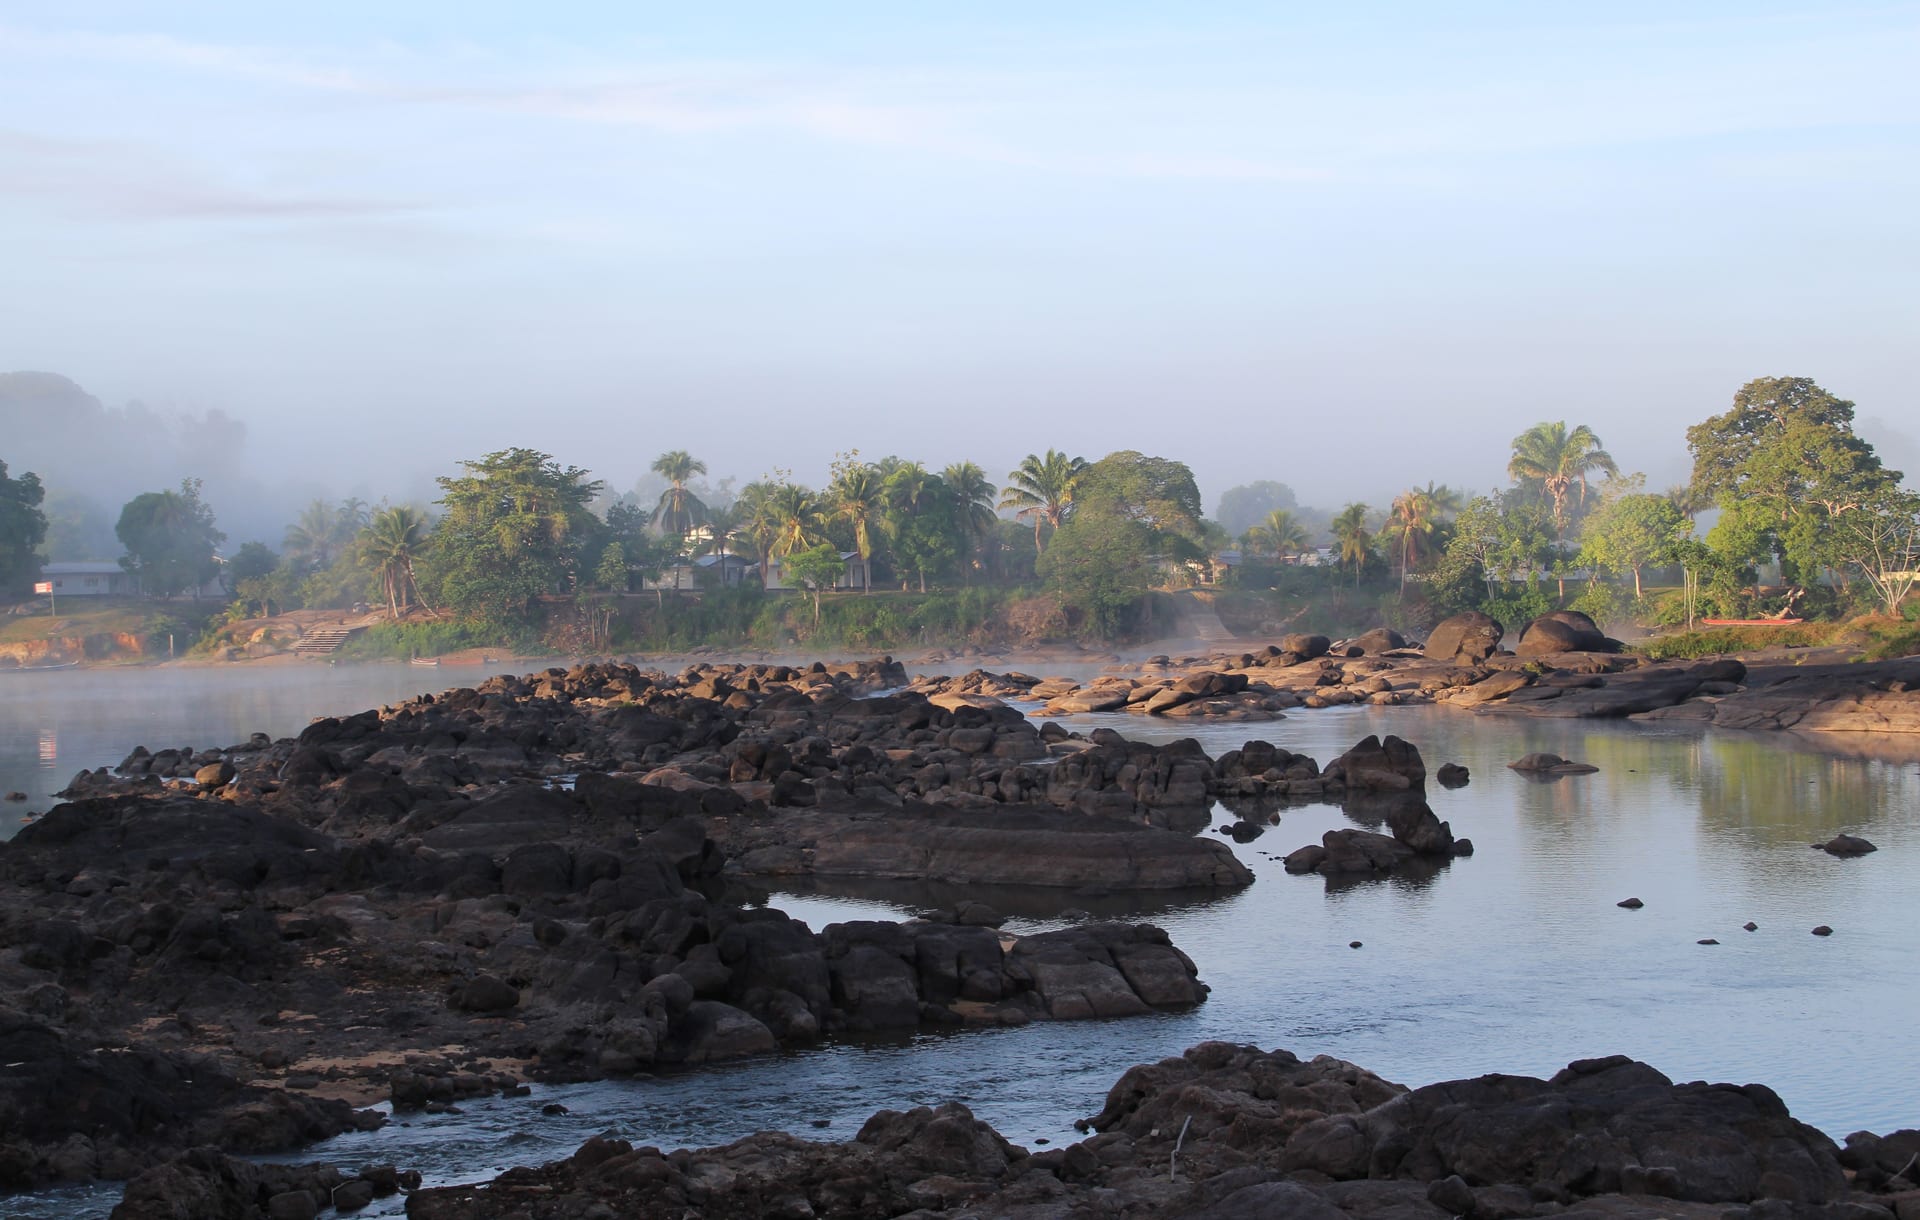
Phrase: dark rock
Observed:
(1847, 845)
(1471, 636)
(485, 994)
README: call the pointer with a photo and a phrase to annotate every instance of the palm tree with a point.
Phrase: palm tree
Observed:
(973, 495)
(857, 498)
(314, 539)
(1549, 455)
(1691, 502)
(757, 526)
(391, 540)
(1042, 489)
(1416, 517)
(1282, 532)
(679, 510)
(1355, 542)
(795, 513)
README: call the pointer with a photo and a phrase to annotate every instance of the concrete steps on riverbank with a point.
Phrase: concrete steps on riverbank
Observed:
(324, 641)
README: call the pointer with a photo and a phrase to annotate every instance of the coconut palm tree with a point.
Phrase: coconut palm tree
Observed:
(679, 510)
(1554, 459)
(314, 540)
(1041, 489)
(798, 522)
(1282, 532)
(1351, 535)
(858, 498)
(1691, 502)
(973, 496)
(1415, 519)
(390, 542)
(757, 526)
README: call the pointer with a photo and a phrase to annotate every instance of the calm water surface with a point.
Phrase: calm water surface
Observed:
(1513, 960)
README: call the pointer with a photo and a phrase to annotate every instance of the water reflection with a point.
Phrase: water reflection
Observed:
(1515, 959)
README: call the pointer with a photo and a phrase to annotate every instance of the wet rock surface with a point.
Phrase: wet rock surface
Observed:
(235, 948)
(1232, 1131)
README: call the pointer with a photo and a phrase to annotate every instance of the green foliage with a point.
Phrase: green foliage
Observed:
(1519, 604)
(170, 538)
(252, 561)
(1718, 641)
(679, 510)
(1131, 512)
(1549, 458)
(1629, 532)
(403, 641)
(22, 528)
(1101, 566)
(393, 542)
(512, 532)
(1785, 465)
(1041, 490)
(819, 567)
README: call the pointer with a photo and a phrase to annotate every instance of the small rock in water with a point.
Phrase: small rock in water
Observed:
(1631, 904)
(16, 796)
(1706, 941)
(554, 1109)
(1751, 926)
(1847, 845)
(1353, 944)
(1042, 1140)
(1452, 775)
(1823, 930)
(822, 1123)
(1551, 764)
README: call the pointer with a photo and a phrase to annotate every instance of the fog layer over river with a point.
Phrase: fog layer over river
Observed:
(1515, 959)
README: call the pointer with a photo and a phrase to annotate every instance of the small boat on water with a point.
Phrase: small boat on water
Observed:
(1752, 622)
(39, 669)
(424, 661)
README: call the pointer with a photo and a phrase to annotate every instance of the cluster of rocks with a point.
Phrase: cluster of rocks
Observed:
(1385, 783)
(236, 947)
(1225, 1132)
(1561, 666)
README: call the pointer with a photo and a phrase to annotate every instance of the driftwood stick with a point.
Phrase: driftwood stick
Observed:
(1173, 1162)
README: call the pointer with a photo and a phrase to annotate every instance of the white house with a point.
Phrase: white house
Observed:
(90, 580)
(854, 576)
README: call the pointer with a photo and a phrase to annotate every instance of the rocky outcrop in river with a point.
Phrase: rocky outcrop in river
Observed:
(236, 947)
(1225, 1132)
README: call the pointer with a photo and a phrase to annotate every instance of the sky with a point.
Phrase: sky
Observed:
(1351, 248)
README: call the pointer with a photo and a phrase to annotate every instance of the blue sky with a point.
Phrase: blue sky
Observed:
(1351, 249)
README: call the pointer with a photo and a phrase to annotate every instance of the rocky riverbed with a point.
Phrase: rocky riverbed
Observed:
(538, 878)
(1220, 1133)
(1561, 667)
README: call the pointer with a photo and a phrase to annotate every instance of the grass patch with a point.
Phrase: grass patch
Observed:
(1877, 637)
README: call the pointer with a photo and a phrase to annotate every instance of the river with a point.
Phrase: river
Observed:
(1516, 959)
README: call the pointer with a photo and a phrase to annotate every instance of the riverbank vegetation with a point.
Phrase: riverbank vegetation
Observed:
(1789, 515)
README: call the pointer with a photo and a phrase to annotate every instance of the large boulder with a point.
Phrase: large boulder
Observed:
(1469, 636)
(1377, 641)
(1304, 645)
(1562, 631)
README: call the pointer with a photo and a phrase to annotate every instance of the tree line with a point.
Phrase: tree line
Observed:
(1789, 481)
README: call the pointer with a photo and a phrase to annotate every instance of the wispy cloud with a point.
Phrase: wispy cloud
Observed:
(970, 115)
(117, 179)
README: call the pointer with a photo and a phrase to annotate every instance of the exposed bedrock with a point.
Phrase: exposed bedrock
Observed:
(1233, 1131)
